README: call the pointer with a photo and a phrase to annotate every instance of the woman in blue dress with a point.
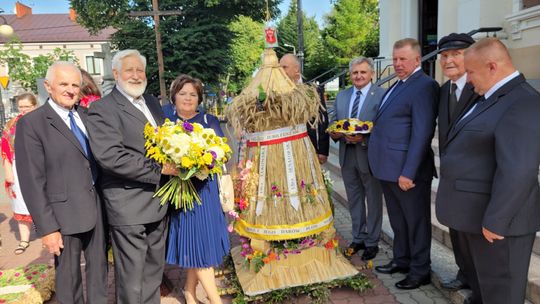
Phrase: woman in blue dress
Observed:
(198, 238)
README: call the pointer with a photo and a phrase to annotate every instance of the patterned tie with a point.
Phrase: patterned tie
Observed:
(83, 140)
(356, 105)
(452, 102)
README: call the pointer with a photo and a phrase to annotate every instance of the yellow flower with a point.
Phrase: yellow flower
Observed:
(207, 158)
(186, 162)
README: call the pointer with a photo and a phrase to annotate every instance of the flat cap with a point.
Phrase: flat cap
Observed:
(455, 41)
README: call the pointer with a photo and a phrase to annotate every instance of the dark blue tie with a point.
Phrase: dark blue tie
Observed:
(83, 140)
(356, 104)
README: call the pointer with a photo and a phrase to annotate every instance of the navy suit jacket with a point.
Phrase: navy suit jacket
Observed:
(489, 165)
(400, 143)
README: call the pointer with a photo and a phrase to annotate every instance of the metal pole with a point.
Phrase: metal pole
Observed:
(161, 70)
(300, 21)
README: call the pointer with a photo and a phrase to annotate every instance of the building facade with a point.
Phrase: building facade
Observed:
(430, 20)
(41, 34)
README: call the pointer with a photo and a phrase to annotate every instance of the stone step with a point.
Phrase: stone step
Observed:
(443, 263)
(442, 236)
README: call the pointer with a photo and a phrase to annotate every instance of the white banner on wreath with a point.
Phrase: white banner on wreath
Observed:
(261, 195)
(276, 134)
(292, 185)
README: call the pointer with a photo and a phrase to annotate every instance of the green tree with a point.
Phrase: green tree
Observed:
(25, 69)
(245, 51)
(197, 42)
(316, 58)
(352, 29)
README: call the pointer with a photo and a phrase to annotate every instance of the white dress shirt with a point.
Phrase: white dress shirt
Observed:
(363, 95)
(64, 115)
(140, 104)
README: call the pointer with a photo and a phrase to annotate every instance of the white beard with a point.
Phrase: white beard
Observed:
(133, 90)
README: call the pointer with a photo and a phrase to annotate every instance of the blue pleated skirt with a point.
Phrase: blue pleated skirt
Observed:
(199, 238)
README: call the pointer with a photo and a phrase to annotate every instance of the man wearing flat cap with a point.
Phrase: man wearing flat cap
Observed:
(456, 98)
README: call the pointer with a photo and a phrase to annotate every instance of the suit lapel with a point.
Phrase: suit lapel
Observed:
(368, 102)
(397, 91)
(444, 120)
(483, 106)
(156, 111)
(347, 103)
(127, 106)
(466, 100)
(56, 122)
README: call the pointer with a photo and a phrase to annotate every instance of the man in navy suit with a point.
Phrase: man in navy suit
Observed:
(489, 191)
(364, 192)
(400, 157)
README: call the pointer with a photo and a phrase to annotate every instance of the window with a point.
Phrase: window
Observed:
(93, 65)
(530, 3)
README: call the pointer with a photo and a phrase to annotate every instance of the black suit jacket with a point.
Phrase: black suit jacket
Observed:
(489, 167)
(466, 100)
(129, 179)
(54, 172)
(318, 136)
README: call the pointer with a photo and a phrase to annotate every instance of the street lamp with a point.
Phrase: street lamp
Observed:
(291, 46)
(5, 29)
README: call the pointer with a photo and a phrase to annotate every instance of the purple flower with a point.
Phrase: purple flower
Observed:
(357, 128)
(187, 126)
(274, 188)
(346, 125)
(302, 184)
(365, 127)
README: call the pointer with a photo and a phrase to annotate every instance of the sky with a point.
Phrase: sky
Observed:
(316, 8)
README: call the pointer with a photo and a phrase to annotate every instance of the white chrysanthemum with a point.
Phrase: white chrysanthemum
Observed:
(178, 146)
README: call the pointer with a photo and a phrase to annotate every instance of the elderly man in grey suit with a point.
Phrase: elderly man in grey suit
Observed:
(364, 192)
(58, 176)
(489, 191)
(130, 179)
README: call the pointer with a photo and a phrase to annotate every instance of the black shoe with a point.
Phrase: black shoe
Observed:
(370, 253)
(454, 285)
(410, 283)
(391, 268)
(354, 248)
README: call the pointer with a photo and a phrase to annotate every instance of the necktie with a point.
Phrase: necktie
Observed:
(356, 105)
(452, 102)
(394, 89)
(144, 109)
(83, 140)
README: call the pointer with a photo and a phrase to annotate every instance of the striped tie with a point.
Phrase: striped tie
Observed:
(356, 105)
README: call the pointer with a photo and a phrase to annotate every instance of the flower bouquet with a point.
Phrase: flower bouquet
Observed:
(351, 126)
(195, 150)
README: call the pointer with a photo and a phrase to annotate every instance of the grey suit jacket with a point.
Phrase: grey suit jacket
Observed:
(54, 174)
(129, 180)
(367, 112)
(489, 167)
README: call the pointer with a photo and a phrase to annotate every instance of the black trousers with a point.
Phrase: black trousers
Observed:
(497, 272)
(69, 287)
(139, 259)
(410, 218)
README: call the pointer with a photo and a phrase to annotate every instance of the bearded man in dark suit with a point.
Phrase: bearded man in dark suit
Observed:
(116, 124)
